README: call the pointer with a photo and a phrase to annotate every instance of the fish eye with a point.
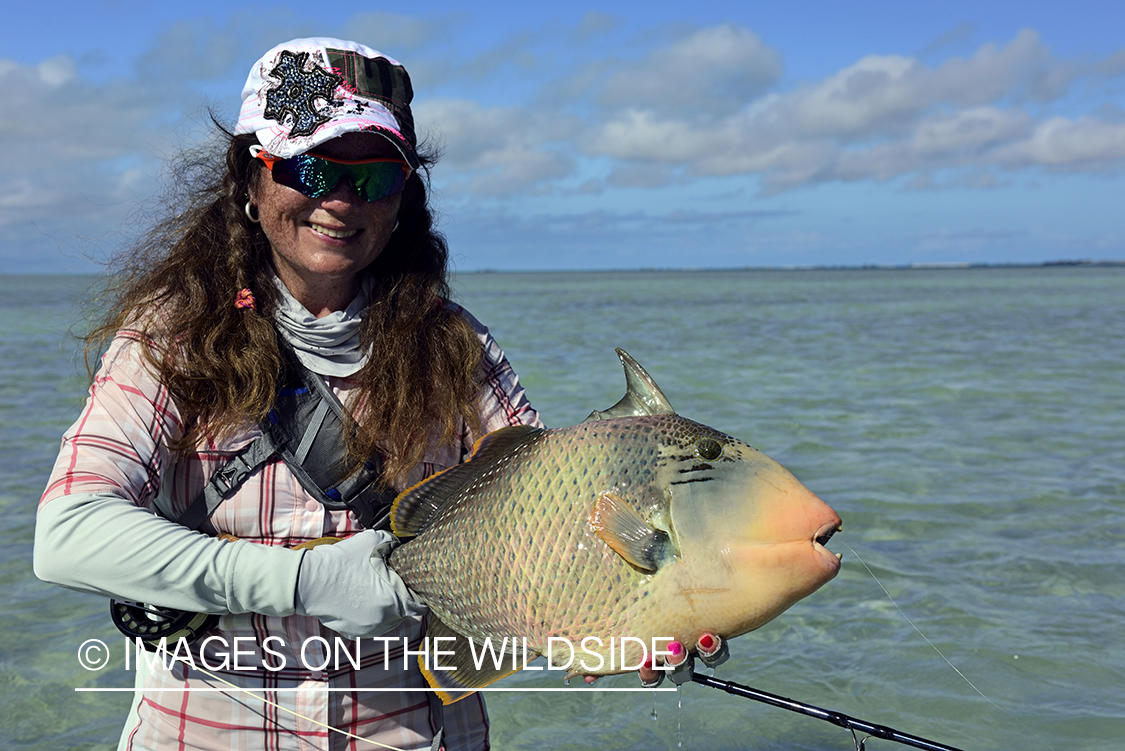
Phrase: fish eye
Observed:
(709, 448)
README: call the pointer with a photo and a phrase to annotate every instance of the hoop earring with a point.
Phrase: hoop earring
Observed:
(251, 213)
(394, 227)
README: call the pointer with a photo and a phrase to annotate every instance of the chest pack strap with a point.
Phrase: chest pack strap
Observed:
(305, 429)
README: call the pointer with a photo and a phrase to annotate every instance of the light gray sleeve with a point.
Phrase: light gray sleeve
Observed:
(103, 544)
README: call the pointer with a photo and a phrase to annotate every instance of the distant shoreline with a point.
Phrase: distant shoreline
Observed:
(935, 266)
(951, 266)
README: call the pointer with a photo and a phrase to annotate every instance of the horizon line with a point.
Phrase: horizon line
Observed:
(912, 266)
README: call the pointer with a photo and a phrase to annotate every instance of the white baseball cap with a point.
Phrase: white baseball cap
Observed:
(307, 91)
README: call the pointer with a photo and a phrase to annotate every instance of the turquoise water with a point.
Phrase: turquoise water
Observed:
(966, 424)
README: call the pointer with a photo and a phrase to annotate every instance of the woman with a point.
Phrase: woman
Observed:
(314, 250)
(310, 260)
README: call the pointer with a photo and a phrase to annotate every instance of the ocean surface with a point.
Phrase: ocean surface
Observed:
(966, 424)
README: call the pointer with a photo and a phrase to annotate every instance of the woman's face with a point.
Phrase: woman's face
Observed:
(320, 245)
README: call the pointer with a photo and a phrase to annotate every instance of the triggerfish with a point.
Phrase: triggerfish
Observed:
(591, 541)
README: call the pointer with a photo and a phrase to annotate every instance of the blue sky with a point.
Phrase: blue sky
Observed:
(623, 135)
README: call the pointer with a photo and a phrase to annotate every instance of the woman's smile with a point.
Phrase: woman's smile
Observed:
(336, 234)
(321, 245)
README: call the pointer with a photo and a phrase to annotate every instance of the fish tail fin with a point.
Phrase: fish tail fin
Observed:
(468, 665)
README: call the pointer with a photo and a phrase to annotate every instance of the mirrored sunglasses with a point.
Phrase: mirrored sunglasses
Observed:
(315, 176)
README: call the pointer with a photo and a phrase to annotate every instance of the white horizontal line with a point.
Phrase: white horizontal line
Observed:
(365, 690)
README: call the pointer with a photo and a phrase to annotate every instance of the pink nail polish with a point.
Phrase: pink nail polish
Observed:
(676, 649)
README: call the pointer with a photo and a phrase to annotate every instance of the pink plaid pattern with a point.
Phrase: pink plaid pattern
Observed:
(119, 445)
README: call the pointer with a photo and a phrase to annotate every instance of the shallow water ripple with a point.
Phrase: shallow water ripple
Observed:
(966, 424)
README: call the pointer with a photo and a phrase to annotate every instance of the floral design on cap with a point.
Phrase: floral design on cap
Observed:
(305, 92)
(297, 92)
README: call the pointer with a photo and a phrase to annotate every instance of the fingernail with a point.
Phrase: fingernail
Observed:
(676, 648)
(707, 642)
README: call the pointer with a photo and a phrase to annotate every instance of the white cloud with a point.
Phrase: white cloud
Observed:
(497, 150)
(876, 92)
(62, 129)
(586, 109)
(968, 130)
(714, 70)
(882, 117)
(643, 136)
(881, 95)
(56, 71)
(1023, 68)
(1074, 144)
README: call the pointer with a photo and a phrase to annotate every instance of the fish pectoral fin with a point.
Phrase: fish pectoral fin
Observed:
(621, 527)
(468, 665)
(416, 506)
(642, 396)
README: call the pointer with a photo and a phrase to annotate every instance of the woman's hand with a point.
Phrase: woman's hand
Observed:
(350, 588)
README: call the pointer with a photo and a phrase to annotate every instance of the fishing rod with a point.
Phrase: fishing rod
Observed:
(836, 718)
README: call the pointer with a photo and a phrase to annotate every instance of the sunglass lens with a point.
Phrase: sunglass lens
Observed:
(315, 177)
(303, 174)
(380, 179)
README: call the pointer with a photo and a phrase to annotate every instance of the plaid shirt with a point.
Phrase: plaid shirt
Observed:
(119, 445)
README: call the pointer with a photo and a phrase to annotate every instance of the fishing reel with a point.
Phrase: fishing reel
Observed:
(150, 623)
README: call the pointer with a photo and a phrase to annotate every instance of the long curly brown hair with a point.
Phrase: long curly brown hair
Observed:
(178, 284)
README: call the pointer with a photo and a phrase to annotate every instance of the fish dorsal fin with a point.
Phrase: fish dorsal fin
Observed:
(454, 673)
(642, 395)
(416, 507)
(620, 526)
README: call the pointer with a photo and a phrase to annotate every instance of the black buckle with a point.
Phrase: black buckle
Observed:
(228, 478)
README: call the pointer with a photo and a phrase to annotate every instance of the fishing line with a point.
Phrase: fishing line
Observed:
(296, 714)
(275, 705)
(940, 653)
(859, 745)
(915, 627)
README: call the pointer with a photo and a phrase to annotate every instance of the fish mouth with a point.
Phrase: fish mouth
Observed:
(823, 535)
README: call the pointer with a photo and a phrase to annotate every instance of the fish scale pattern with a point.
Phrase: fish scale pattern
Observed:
(504, 545)
(513, 553)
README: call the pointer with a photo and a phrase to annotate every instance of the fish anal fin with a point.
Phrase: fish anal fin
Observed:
(453, 674)
(416, 507)
(642, 396)
(621, 527)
